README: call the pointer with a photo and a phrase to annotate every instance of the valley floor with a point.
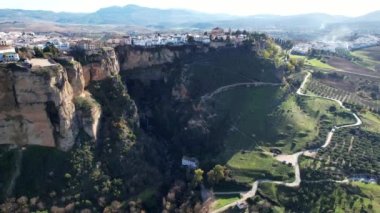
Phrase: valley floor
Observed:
(256, 161)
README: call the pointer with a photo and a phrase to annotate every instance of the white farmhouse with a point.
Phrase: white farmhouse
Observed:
(190, 162)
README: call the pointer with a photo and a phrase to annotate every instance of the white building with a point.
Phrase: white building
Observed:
(4, 42)
(190, 162)
(8, 54)
(9, 57)
(60, 45)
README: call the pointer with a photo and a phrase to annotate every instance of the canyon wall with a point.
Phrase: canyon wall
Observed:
(100, 64)
(37, 105)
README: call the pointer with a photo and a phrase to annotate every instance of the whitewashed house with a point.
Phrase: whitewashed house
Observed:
(10, 57)
(4, 42)
(191, 163)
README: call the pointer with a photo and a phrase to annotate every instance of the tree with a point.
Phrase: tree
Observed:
(217, 174)
(198, 176)
(38, 53)
(190, 39)
(332, 108)
(51, 49)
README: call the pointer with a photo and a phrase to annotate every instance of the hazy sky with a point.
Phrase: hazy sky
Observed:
(234, 7)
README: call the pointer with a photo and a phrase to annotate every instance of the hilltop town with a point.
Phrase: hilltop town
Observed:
(137, 109)
(11, 42)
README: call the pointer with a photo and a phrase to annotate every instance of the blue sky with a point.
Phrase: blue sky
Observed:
(234, 7)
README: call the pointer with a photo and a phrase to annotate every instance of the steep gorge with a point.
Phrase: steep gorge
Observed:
(130, 114)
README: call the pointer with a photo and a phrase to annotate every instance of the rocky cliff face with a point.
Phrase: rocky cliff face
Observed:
(75, 76)
(168, 90)
(133, 57)
(100, 64)
(36, 107)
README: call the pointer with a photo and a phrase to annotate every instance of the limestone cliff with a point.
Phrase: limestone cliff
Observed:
(137, 57)
(88, 113)
(100, 64)
(75, 76)
(36, 107)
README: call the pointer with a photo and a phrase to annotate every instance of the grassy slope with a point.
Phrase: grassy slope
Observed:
(313, 62)
(254, 165)
(296, 124)
(227, 66)
(368, 59)
(324, 197)
(257, 117)
(223, 200)
(318, 107)
(371, 121)
(371, 191)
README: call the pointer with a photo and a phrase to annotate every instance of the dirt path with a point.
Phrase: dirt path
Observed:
(208, 96)
(293, 159)
(351, 143)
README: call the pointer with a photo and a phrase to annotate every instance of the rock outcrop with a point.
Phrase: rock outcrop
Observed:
(88, 113)
(75, 76)
(137, 57)
(100, 64)
(36, 107)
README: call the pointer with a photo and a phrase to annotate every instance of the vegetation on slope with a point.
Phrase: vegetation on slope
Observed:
(322, 197)
(368, 57)
(313, 62)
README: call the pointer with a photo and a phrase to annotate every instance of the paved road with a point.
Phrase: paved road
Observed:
(293, 159)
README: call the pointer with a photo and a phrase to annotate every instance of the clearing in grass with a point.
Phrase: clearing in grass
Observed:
(223, 200)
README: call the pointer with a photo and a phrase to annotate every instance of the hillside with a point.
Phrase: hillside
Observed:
(119, 138)
(133, 15)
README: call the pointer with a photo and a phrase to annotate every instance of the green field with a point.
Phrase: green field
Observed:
(313, 62)
(264, 117)
(250, 166)
(368, 58)
(371, 121)
(328, 110)
(295, 124)
(223, 200)
(372, 191)
(323, 197)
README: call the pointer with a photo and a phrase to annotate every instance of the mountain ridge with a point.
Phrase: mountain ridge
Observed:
(134, 15)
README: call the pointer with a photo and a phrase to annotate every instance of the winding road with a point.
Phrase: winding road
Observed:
(293, 159)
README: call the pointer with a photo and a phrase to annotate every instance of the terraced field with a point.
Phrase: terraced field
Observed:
(352, 152)
(346, 97)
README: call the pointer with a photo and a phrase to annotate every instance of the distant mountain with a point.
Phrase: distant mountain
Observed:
(371, 17)
(306, 21)
(128, 15)
(133, 15)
